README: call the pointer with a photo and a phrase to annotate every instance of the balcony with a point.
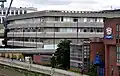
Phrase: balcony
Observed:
(56, 34)
(25, 44)
(57, 24)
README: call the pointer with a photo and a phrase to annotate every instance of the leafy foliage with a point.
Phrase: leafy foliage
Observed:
(61, 58)
(93, 70)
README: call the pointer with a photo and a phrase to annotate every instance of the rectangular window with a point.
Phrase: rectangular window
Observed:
(4, 12)
(117, 28)
(75, 20)
(25, 11)
(12, 12)
(16, 12)
(0, 12)
(117, 32)
(20, 11)
(118, 53)
(57, 18)
(62, 19)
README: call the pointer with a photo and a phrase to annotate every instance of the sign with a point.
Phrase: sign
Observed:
(108, 33)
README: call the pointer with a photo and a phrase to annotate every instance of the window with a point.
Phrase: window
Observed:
(117, 27)
(75, 20)
(0, 12)
(20, 11)
(25, 11)
(117, 31)
(4, 12)
(118, 54)
(57, 18)
(16, 12)
(91, 30)
(85, 30)
(61, 18)
(12, 12)
(98, 30)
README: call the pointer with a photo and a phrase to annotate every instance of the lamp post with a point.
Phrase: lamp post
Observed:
(53, 64)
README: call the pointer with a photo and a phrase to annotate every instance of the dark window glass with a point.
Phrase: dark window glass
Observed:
(25, 11)
(91, 30)
(85, 30)
(61, 18)
(12, 12)
(4, 12)
(98, 30)
(0, 12)
(75, 20)
(16, 12)
(20, 11)
(57, 18)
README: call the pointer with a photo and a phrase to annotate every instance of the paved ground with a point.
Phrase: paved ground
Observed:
(12, 72)
(9, 72)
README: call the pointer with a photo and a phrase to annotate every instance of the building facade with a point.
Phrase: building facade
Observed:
(47, 28)
(79, 56)
(109, 47)
(15, 11)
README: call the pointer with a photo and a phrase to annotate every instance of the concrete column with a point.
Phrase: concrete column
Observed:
(10, 12)
(2, 12)
(14, 12)
(18, 12)
(1, 21)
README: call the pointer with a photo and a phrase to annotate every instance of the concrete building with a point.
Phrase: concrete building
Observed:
(47, 28)
(79, 56)
(15, 11)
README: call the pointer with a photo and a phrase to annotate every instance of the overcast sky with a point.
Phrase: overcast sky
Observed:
(67, 4)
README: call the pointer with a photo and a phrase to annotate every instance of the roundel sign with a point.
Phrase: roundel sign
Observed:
(108, 33)
(108, 30)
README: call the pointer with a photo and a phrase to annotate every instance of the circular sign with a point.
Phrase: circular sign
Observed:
(109, 31)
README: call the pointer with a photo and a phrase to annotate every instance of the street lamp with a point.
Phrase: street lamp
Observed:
(53, 64)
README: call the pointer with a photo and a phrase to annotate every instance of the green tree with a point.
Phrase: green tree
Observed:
(93, 70)
(61, 58)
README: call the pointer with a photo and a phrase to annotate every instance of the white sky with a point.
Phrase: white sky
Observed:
(67, 4)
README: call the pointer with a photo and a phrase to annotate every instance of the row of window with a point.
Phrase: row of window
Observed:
(60, 19)
(40, 40)
(34, 29)
(13, 12)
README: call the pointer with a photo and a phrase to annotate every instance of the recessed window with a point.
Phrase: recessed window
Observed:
(75, 20)
(0, 12)
(16, 12)
(85, 30)
(118, 54)
(4, 12)
(61, 18)
(12, 12)
(98, 30)
(91, 30)
(25, 11)
(57, 18)
(20, 11)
